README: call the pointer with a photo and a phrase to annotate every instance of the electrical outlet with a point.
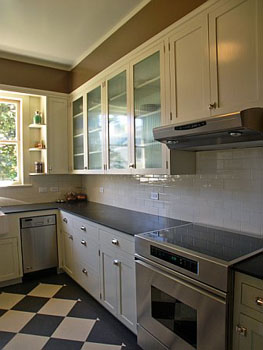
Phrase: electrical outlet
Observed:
(101, 189)
(42, 189)
(53, 189)
(155, 195)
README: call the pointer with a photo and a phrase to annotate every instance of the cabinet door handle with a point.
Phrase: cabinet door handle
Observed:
(241, 330)
(65, 220)
(259, 301)
(212, 106)
(83, 228)
(116, 262)
(70, 237)
(131, 165)
(115, 241)
(85, 272)
(84, 243)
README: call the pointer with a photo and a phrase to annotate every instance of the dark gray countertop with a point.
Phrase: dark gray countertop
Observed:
(127, 221)
(252, 266)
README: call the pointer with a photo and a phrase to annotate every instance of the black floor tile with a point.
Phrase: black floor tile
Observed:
(30, 304)
(69, 292)
(104, 333)
(83, 310)
(42, 325)
(61, 344)
(2, 312)
(5, 337)
(22, 288)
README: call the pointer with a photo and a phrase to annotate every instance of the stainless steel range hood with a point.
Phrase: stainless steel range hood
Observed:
(235, 130)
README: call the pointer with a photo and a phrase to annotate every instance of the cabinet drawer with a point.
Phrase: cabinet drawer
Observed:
(84, 227)
(86, 251)
(88, 279)
(117, 242)
(252, 297)
(66, 222)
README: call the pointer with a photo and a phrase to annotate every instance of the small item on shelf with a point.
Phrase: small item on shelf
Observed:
(39, 166)
(82, 197)
(71, 197)
(40, 144)
(37, 118)
(60, 201)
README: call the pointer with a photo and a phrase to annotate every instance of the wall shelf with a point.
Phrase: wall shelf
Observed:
(36, 126)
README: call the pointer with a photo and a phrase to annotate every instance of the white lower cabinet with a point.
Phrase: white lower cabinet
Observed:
(9, 263)
(101, 260)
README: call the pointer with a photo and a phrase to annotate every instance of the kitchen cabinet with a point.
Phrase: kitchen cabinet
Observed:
(68, 259)
(118, 277)
(148, 111)
(235, 33)
(57, 135)
(78, 135)
(9, 259)
(189, 70)
(248, 313)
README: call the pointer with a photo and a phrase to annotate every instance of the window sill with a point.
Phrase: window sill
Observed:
(16, 185)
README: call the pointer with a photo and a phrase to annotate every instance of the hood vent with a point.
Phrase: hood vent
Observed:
(235, 130)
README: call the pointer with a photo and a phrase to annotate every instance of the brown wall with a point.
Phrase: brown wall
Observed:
(152, 19)
(33, 76)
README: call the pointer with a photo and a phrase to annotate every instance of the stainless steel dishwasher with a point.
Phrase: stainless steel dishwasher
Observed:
(39, 243)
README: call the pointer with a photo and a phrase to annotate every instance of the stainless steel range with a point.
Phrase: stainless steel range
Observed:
(184, 286)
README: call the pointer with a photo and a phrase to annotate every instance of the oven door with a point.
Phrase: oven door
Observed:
(173, 312)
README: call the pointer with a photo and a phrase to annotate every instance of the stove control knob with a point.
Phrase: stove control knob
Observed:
(241, 330)
(259, 301)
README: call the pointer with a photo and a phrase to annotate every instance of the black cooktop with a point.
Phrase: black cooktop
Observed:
(213, 242)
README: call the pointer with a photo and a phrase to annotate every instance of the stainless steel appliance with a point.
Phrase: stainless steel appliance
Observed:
(39, 243)
(241, 129)
(184, 286)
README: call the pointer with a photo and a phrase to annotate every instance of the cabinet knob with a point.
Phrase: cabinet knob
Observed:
(241, 330)
(85, 167)
(212, 106)
(116, 262)
(115, 241)
(259, 301)
(83, 228)
(50, 168)
(131, 165)
(70, 237)
(85, 272)
(84, 243)
(65, 220)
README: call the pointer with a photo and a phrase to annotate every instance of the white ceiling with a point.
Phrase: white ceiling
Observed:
(59, 33)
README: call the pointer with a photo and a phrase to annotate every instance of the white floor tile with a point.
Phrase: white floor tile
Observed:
(26, 342)
(45, 290)
(97, 346)
(73, 328)
(14, 321)
(57, 307)
(9, 300)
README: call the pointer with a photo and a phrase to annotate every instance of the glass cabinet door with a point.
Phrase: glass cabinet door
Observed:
(147, 112)
(95, 129)
(78, 135)
(118, 123)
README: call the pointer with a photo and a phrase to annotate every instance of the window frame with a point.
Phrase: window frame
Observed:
(16, 142)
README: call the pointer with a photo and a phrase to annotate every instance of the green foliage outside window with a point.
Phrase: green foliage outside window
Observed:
(8, 150)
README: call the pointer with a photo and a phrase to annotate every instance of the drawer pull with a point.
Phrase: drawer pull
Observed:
(85, 272)
(259, 301)
(115, 241)
(65, 220)
(70, 237)
(84, 243)
(241, 330)
(116, 262)
(83, 228)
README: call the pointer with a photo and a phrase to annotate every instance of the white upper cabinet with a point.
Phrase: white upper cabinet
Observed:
(57, 135)
(189, 70)
(118, 125)
(148, 111)
(78, 136)
(236, 55)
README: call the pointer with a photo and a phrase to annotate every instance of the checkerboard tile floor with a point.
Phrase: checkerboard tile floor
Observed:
(55, 313)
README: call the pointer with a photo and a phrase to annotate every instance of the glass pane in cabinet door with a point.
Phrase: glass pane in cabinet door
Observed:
(95, 141)
(78, 137)
(147, 112)
(118, 122)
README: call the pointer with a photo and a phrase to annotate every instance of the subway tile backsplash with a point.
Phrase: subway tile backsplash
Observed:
(226, 192)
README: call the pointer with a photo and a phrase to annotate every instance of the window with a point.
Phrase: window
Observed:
(9, 141)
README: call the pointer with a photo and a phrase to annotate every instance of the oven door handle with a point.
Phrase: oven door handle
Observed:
(182, 279)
